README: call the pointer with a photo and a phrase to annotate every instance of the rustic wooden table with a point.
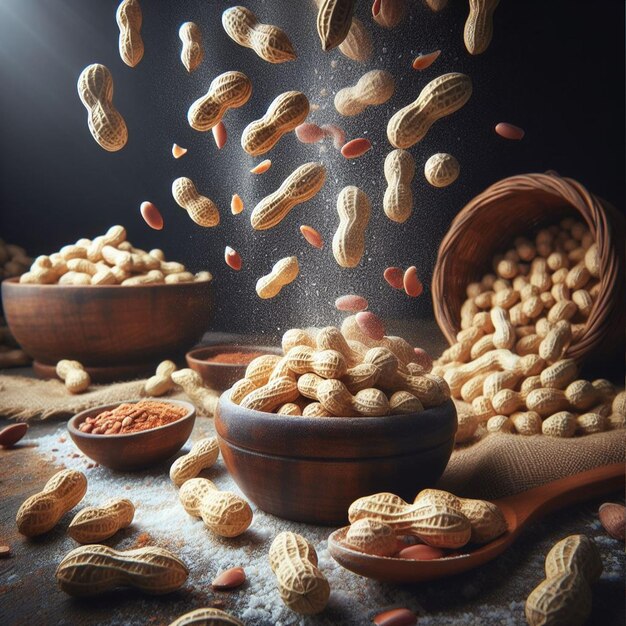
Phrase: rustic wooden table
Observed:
(493, 594)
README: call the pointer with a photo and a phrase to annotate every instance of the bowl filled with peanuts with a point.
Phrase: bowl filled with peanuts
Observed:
(115, 308)
(133, 435)
(337, 416)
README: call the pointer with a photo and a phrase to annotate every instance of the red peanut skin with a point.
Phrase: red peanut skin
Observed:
(151, 215)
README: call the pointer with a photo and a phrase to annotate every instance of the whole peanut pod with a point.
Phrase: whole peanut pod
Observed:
(441, 169)
(358, 43)
(302, 586)
(207, 617)
(330, 338)
(404, 403)
(547, 401)
(269, 42)
(296, 337)
(334, 19)
(128, 17)
(229, 90)
(192, 51)
(555, 343)
(223, 512)
(354, 210)
(398, 198)
(73, 374)
(95, 524)
(260, 369)
(441, 97)
(301, 185)
(479, 25)
(285, 271)
(324, 363)
(94, 569)
(41, 512)
(95, 88)
(373, 88)
(564, 597)
(202, 455)
(113, 237)
(285, 113)
(161, 382)
(271, 395)
(372, 537)
(202, 210)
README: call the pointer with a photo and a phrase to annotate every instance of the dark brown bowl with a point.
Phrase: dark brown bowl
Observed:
(311, 469)
(133, 451)
(115, 332)
(221, 376)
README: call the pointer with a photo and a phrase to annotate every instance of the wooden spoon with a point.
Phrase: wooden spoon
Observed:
(519, 510)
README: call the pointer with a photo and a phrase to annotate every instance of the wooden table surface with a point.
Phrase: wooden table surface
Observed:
(493, 594)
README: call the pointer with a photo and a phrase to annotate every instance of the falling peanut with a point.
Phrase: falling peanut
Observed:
(201, 209)
(334, 19)
(399, 172)
(128, 17)
(229, 90)
(269, 42)
(479, 25)
(192, 51)
(284, 272)
(285, 113)
(354, 210)
(373, 88)
(441, 169)
(302, 185)
(95, 88)
(441, 97)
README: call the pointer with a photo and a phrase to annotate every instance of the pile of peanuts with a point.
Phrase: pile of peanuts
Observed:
(380, 524)
(13, 260)
(340, 373)
(508, 368)
(108, 259)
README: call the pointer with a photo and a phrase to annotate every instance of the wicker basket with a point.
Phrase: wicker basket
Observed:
(519, 206)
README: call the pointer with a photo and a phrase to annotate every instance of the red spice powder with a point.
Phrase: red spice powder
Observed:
(234, 358)
(132, 418)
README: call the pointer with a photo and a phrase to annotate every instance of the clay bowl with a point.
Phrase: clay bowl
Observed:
(221, 376)
(311, 469)
(115, 332)
(133, 451)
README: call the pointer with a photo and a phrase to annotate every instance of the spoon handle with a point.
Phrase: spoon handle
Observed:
(558, 494)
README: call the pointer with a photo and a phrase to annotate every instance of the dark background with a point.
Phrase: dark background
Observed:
(554, 68)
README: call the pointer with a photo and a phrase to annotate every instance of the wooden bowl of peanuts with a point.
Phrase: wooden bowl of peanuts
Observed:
(116, 309)
(133, 435)
(309, 469)
(525, 229)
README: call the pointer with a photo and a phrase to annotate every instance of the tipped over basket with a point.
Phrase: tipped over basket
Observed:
(519, 206)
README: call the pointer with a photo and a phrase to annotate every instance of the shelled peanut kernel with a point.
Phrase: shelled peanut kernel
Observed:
(510, 360)
(108, 259)
(341, 373)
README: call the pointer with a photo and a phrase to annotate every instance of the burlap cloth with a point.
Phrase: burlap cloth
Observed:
(491, 467)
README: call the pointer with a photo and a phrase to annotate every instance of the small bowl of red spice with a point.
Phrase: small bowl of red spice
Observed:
(221, 366)
(133, 435)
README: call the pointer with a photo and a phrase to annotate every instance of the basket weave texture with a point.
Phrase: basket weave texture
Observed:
(519, 206)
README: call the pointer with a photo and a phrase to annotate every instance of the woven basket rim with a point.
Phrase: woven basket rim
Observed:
(591, 208)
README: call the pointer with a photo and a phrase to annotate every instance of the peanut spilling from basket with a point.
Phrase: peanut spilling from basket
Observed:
(301, 584)
(223, 512)
(108, 259)
(93, 569)
(436, 518)
(41, 512)
(95, 524)
(564, 597)
(510, 361)
(95, 88)
(270, 42)
(330, 373)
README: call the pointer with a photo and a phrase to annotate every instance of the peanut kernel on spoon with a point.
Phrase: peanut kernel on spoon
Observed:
(177, 151)
(262, 167)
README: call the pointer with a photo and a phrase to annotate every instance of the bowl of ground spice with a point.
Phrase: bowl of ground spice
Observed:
(221, 366)
(133, 435)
